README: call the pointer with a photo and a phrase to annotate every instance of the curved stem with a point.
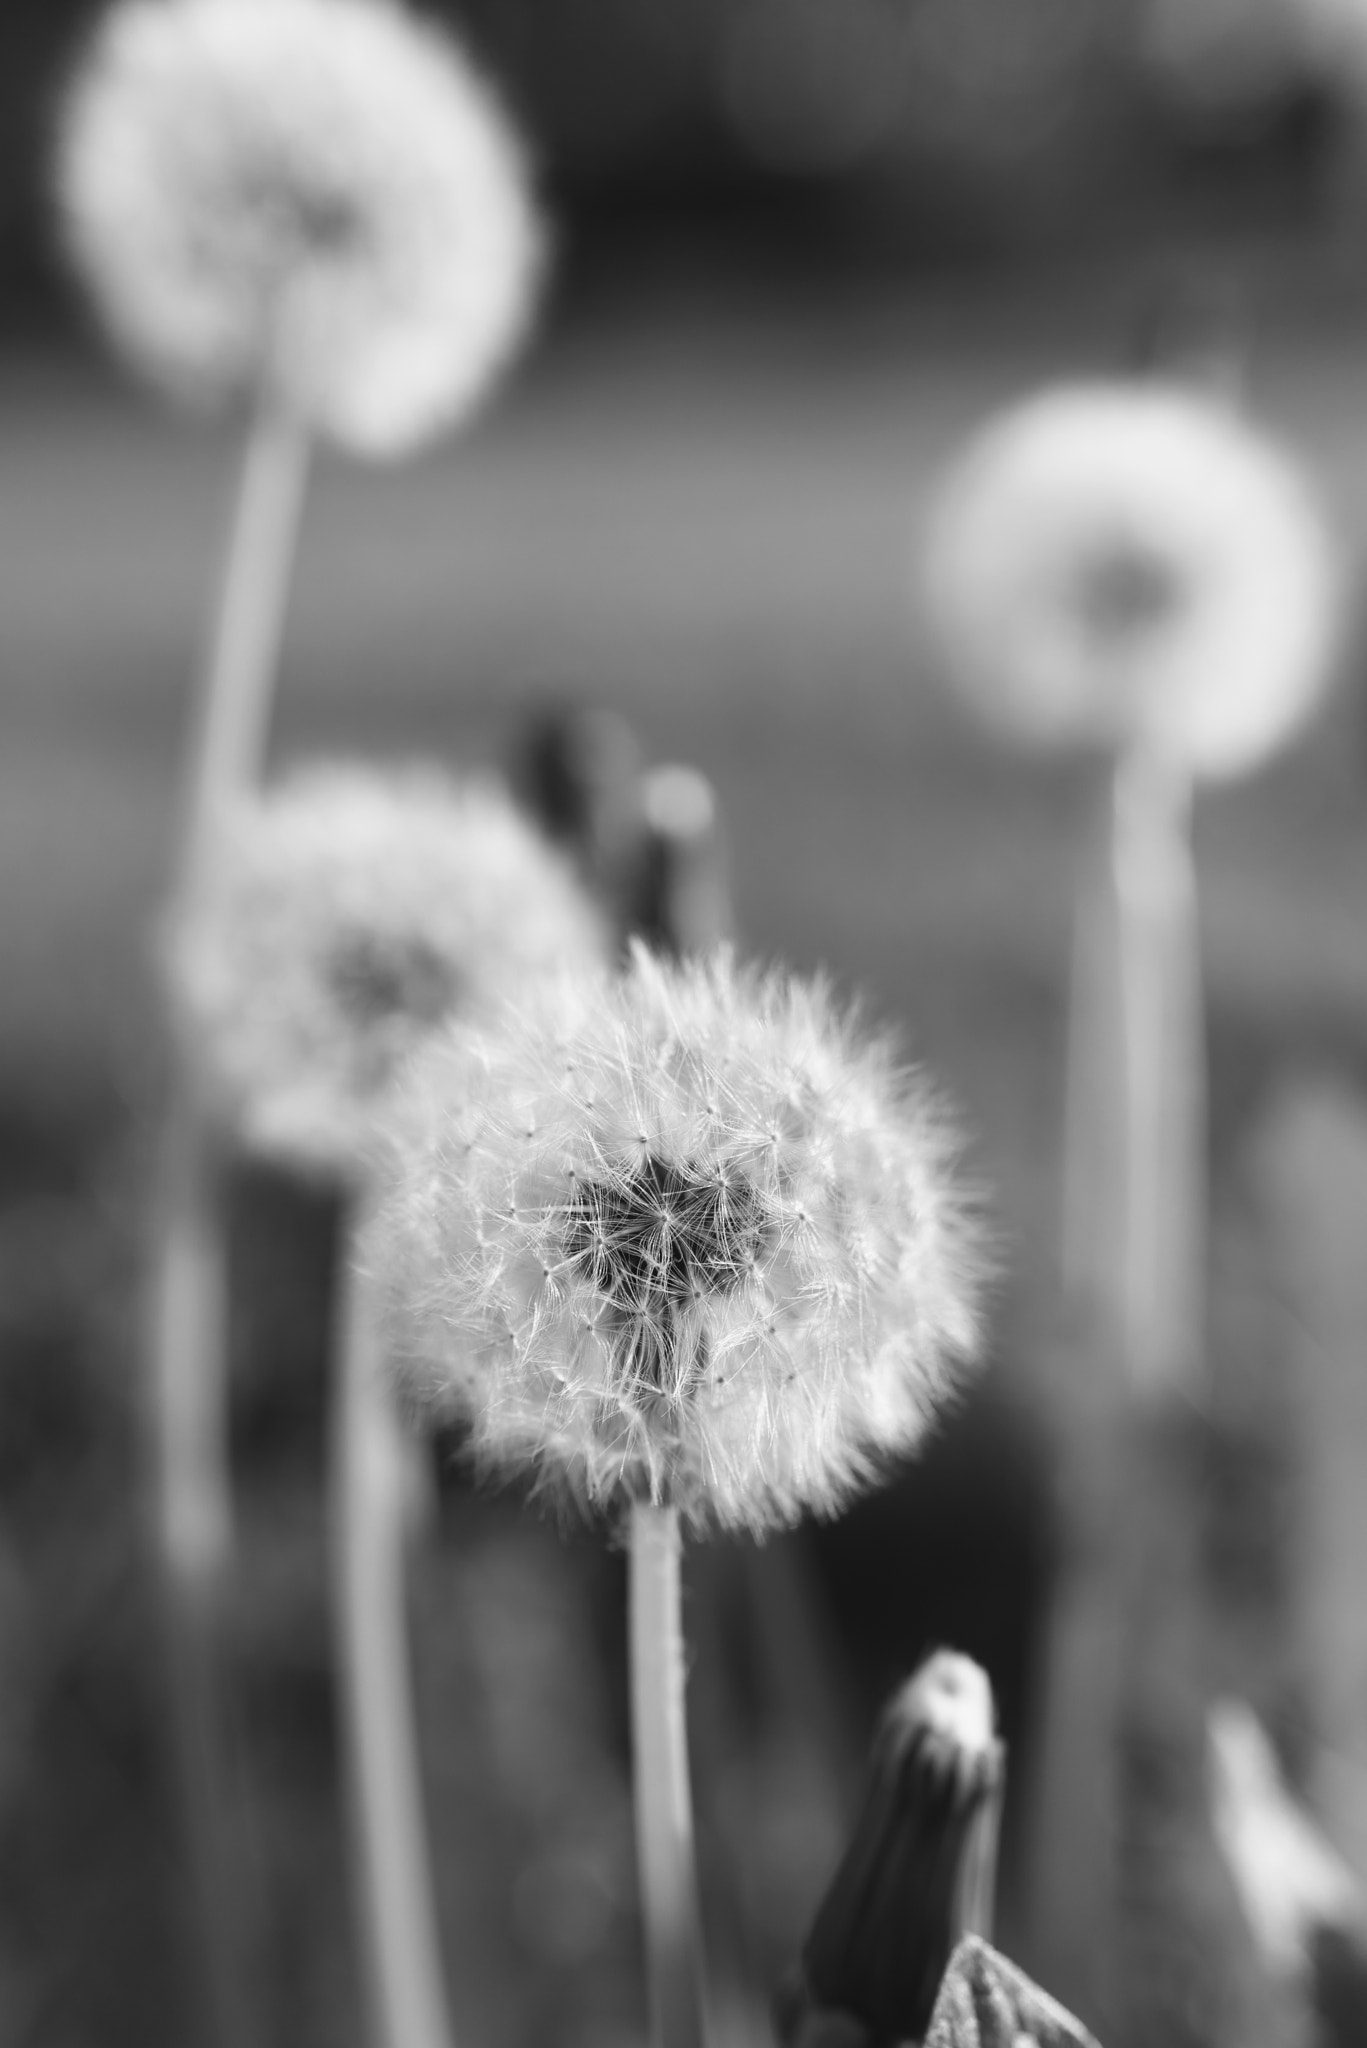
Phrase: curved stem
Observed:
(369, 1494)
(664, 1812)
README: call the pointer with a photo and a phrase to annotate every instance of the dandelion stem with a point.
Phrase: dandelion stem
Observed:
(1159, 1311)
(234, 709)
(664, 1815)
(1124, 1625)
(188, 1346)
(399, 1928)
(188, 1316)
(1093, 1175)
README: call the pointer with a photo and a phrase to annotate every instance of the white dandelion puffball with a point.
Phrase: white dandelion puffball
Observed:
(679, 1237)
(318, 198)
(337, 920)
(1129, 564)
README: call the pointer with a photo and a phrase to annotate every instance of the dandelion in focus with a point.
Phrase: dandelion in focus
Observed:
(684, 1240)
(681, 1244)
(919, 1871)
(344, 915)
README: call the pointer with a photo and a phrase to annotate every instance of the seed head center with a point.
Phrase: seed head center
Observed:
(378, 975)
(657, 1239)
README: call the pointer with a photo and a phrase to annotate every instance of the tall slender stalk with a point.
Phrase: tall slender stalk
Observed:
(188, 1313)
(1160, 1308)
(188, 1334)
(664, 1814)
(232, 722)
(370, 1493)
(1093, 1119)
(1134, 1231)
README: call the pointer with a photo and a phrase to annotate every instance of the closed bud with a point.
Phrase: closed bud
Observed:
(917, 1872)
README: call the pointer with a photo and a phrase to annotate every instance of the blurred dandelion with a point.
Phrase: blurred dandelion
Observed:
(1138, 572)
(919, 1871)
(341, 918)
(1129, 566)
(684, 1245)
(318, 199)
(314, 205)
(346, 913)
(1135, 570)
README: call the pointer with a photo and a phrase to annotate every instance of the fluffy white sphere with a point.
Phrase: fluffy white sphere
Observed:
(1128, 564)
(315, 196)
(338, 920)
(683, 1236)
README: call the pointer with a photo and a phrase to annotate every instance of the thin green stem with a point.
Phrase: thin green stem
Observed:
(664, 1812)
(370, 1494)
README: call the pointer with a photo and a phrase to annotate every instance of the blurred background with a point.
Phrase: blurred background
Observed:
(803, 246)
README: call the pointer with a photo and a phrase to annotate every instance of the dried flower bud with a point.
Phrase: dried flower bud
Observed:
(912, 1878)
(679, 1238)
(1132, 564)
(315, 196)
(337, 920)
(986, 2002)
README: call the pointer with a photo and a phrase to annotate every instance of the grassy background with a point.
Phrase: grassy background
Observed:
(703, 514)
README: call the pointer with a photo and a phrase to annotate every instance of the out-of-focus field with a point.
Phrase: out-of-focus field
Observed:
(707, 521)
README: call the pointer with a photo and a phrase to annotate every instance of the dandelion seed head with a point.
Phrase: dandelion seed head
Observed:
(1123, 564)
(337, 919)
(683, 1237)
(315, 197)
